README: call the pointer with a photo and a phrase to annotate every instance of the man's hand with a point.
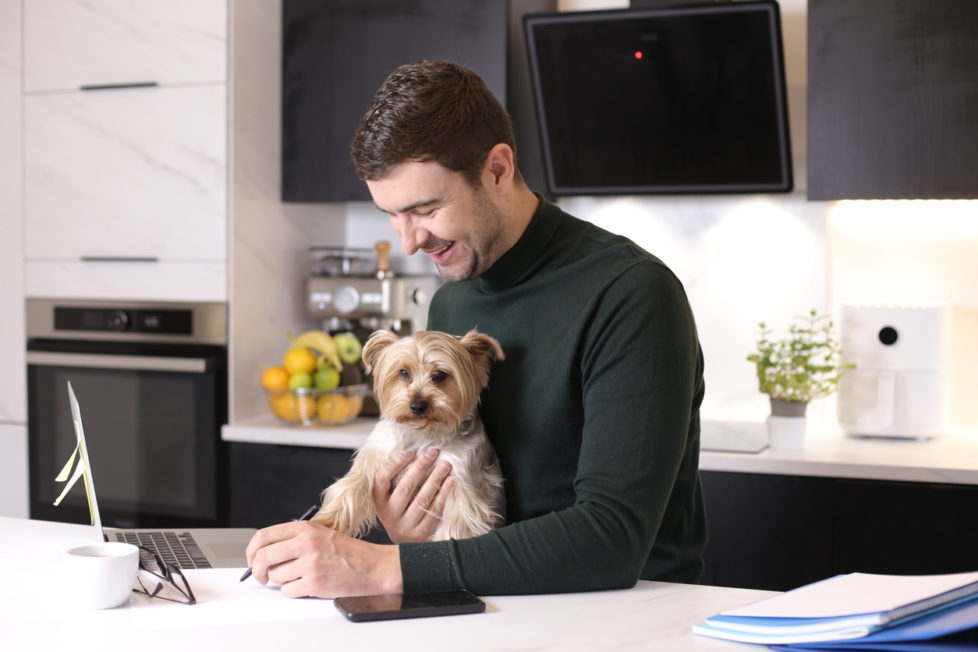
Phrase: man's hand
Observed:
(311, 560)
(412, 509)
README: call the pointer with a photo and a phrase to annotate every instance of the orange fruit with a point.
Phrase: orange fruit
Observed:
(294, 408)
(333, 408)
(275, 379)
(299, 360)
(282, 406)
(355, 405)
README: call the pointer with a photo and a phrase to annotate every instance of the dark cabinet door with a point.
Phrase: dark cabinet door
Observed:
(778, 532)
(336, 54)
(770, 532)
(894, 527)
(272, 484)
(892, 99)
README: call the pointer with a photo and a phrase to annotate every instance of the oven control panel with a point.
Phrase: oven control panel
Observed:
(144, 321)
(169, 322)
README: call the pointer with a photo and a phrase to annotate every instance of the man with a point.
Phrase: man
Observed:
(594, 413)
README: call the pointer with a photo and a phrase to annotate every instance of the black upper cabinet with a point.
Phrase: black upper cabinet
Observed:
(892, 99)
(336, 53)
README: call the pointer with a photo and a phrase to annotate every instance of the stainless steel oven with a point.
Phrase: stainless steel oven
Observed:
(151, 379)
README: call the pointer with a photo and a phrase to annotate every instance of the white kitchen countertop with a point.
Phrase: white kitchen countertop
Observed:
(951, 458)
(38, 612)
(266, 429)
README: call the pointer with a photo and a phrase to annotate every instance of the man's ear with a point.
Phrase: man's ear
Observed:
(501, 165)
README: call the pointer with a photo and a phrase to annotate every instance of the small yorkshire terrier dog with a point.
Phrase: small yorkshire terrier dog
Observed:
(427, 387)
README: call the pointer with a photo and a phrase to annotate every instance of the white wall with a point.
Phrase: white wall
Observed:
(269, 240)
(904, 252)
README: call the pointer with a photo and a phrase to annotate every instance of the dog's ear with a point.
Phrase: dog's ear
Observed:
(480, 344)
(376, 343)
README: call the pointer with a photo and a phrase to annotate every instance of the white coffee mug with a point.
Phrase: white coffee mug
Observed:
(101, 575)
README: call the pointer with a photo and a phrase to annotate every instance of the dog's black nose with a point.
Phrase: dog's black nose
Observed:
(418, 407)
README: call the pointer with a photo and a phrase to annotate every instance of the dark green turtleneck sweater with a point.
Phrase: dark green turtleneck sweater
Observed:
(594, 414)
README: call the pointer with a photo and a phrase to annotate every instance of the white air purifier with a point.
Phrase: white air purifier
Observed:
(915, 374)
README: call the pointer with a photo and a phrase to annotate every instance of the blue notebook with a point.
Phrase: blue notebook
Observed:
(950, 628)
(859, 607)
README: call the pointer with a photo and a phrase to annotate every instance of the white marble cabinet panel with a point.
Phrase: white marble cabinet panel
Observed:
(13, 470)
(71, 43)
(126, 280)
(132, 173)
(13, 392)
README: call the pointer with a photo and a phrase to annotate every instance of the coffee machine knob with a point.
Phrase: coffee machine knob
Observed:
(346, 299)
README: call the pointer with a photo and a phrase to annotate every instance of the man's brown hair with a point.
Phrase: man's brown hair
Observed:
(431, 111)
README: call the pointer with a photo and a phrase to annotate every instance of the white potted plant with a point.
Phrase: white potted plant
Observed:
(794, 370)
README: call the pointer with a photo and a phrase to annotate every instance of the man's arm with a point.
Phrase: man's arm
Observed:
(311, 560)
(641, 378)
(303, 557)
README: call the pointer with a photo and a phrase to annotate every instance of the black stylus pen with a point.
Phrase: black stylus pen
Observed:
(306, 515)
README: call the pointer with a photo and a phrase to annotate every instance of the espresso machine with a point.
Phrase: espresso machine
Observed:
(355, 290)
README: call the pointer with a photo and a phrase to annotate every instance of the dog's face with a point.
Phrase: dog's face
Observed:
(429, 378)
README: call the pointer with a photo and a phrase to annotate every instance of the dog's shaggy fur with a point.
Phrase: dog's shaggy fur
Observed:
(428, 387)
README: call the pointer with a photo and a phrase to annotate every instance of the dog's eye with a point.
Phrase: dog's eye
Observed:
(439, 376)
(405, 376)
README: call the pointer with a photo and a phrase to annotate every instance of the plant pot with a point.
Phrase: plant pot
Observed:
(786, 425)
(781, 408)
(786, 433)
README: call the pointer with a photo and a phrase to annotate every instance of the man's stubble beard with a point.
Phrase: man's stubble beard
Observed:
(482, 249)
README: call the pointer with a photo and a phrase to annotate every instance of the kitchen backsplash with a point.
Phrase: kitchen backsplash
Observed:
(740, 259)
(771, 257)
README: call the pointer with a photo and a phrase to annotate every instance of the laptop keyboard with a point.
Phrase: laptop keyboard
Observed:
(174, 548)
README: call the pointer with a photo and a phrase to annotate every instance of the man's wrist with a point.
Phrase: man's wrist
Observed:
(390, 572)
(426, 566)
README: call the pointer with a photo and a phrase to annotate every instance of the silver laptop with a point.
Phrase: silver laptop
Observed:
(186, 547)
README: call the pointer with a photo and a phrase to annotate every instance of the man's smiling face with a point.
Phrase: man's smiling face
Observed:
(435, 210)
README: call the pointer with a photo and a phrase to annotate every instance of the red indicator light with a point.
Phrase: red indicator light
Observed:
(638, 54)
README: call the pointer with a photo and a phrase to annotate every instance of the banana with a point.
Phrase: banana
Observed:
(322, 342)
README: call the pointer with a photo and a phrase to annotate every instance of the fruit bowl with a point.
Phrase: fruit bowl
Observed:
(317, 407)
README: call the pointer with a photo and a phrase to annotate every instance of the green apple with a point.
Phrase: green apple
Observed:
(348, 347)
(326, 377)
(300, 380)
